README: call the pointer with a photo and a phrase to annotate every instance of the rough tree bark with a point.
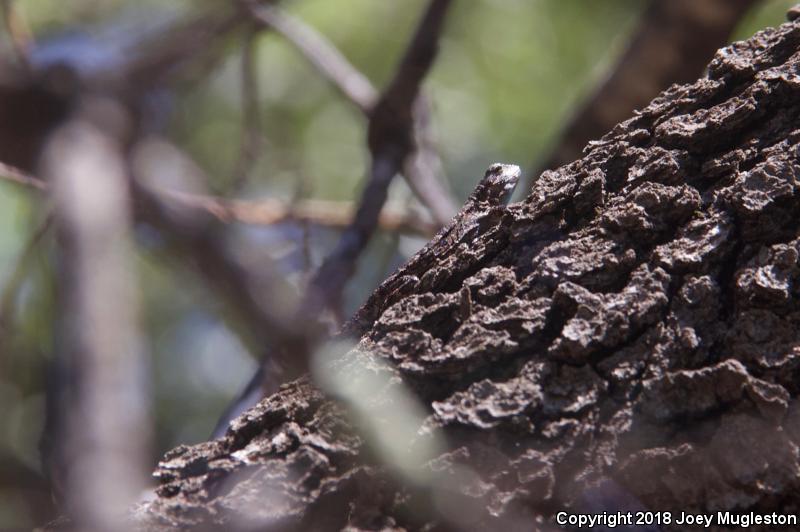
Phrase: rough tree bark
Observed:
(626, 337)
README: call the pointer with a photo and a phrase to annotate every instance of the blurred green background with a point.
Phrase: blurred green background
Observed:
(508, 74)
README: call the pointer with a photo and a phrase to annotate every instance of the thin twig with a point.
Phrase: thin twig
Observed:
(391, 140)
(320, 52)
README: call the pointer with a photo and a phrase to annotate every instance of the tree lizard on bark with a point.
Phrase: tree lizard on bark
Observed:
(493, 192)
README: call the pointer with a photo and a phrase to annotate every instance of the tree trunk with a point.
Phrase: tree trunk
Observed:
(626, 338)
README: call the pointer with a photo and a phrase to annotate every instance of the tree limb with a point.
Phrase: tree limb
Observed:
(391, 140)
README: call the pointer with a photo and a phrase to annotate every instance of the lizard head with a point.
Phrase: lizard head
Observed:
(498, 183)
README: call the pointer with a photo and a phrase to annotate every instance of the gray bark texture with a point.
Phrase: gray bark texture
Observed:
(625, 338)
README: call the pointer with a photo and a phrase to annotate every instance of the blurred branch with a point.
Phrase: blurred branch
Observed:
(673, 43)
(320, 52)
(187, 220)
(270, 211)
(423, 170)
(391, 141)
(301, 190)
(179, 45)
(31, 106)
(100, 455)
(262, 297)
(252, 138)
(18, 32)
(15, 175)
(266, 211)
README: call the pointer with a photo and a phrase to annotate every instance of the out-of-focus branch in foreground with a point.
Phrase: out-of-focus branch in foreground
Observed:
(100, 442)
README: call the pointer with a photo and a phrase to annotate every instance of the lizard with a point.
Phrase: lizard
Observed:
(492, 192)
